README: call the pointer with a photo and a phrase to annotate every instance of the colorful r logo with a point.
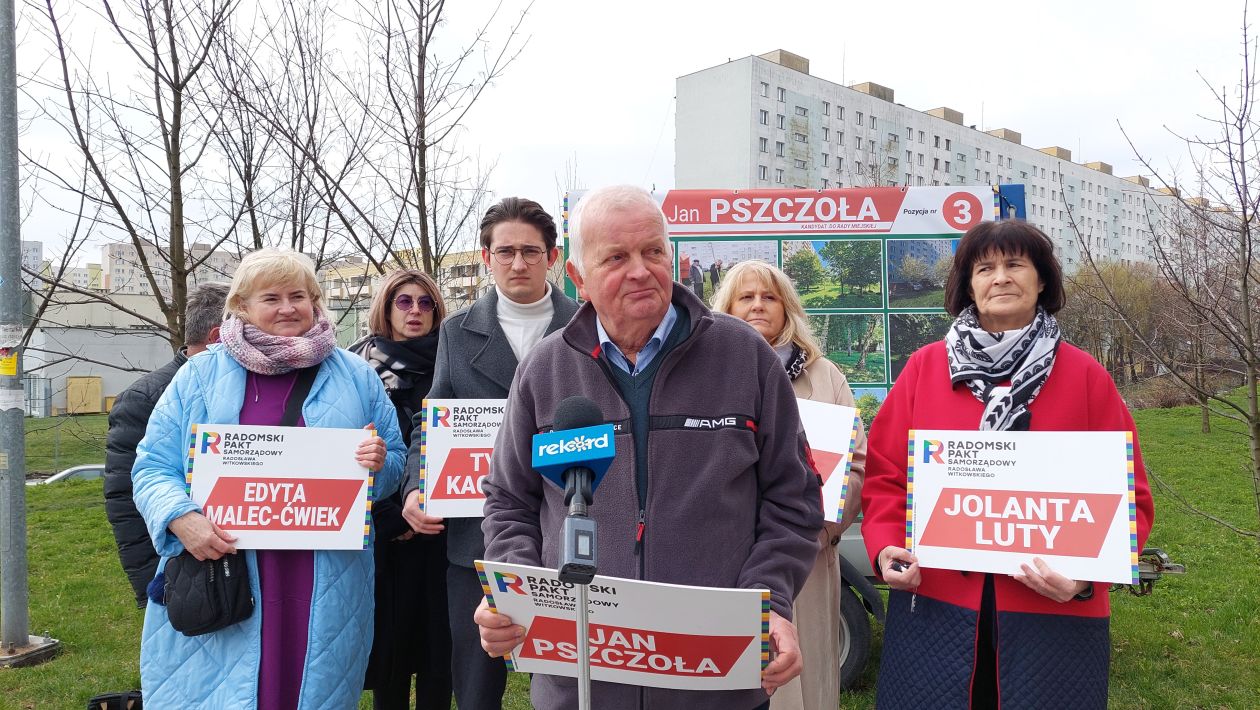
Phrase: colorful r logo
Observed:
(507, 580)
(210, 442)
(932, 451)
(441, 416)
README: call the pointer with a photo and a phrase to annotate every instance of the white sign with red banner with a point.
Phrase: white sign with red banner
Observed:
(987, 501)
(867, 210)
(456, 441)
(832, 433)
(640, 633)
(282, 488)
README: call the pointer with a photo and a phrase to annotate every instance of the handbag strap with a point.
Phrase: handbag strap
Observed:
(297, 395)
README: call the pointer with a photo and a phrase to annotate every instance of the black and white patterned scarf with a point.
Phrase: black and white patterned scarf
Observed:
(981, 359)
(399, 363)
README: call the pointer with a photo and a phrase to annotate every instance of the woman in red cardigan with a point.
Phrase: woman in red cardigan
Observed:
(975, 640)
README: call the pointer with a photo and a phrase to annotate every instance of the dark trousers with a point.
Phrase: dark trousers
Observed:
(479, 680)
(698, 287)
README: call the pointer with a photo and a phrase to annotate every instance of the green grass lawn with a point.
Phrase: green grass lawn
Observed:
(1195, 643)
(918, 299)
(831, 296)
(57, 443)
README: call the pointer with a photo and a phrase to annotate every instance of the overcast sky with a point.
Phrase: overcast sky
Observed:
(594, 87)
(592, 92)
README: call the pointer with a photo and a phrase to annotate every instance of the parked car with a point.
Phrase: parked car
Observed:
(86, 472)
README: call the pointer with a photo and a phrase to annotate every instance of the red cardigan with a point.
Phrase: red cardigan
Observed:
(1078, 396)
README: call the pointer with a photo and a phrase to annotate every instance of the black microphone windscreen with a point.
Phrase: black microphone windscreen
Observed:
(577, 412)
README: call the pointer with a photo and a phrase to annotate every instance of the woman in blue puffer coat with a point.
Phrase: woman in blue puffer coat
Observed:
(306, 644)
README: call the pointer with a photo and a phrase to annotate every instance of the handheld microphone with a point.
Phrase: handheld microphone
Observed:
(575, 456)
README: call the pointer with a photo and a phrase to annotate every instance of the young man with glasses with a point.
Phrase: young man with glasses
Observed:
(478, 351)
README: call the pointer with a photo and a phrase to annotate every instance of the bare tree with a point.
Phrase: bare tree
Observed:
(1204, 250)
(143, 147)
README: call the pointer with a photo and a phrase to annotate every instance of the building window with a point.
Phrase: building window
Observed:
(920, 160)
(892, 138)
(826, 159)
(802, 111)
(988, 157)
(936, 141)
(826, 133)
(919, 180)
(764, 143)
(763, 173)
(764, 118)
(908, 178)
(946, 166)
(872, 120)
(986, 176)
(840, 137)
(826, 108)
(798, 137)
(977, 174)
(857, 168)
(892, 161)
(778, 175)
(858, 117)
(824, 183)
(909, 156)
(781, 120)
(870, 145)
(977, 154)
(947, 144)
(909, 133)
(839, 164)
(778, 148)
(798, 164)
(765, 89)
(840, 112)
(922, 136)
(936, 163)
(782, 95)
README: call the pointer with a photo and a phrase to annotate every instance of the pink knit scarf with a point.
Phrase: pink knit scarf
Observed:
(266, 354)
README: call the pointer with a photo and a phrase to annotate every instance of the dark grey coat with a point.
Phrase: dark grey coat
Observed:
(475, 361)
(128, 419)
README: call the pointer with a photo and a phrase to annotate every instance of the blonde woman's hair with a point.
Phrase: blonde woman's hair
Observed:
(795, 323)
(267, 267)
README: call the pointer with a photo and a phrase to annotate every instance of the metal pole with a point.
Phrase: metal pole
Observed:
(584, 649)
(18, 647)
(14, 623)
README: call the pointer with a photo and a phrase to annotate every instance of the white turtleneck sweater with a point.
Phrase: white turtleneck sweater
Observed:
(524, 323)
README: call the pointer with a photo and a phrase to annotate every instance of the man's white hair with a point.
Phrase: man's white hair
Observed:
(598, 203)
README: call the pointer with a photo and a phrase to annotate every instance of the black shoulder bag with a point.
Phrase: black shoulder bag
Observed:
(203, 596)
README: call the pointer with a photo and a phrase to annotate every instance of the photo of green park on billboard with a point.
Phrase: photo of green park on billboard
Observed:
(855, 342)
(836, 273)
(917, 270)
(908, 332)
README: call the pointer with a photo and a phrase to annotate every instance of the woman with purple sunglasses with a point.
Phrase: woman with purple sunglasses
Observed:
(412, 631)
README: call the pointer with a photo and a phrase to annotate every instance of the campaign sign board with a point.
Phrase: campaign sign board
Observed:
(987, 501)
(456, 442)
(282, 488)
(832, 433)
(640, 633)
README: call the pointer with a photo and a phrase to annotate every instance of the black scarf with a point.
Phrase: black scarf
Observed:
(401, 364)
(981, 359)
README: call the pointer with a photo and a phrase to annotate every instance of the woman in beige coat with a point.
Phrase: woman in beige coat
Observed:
(763, 296)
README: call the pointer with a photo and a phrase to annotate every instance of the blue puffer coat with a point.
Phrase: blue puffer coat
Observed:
(220, 670)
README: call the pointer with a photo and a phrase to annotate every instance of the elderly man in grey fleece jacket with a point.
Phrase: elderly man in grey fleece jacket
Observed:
(711, 483)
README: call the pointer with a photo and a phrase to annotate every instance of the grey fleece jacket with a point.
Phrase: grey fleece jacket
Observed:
(732, 506)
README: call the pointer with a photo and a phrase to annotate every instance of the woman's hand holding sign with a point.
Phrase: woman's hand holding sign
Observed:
(371, 451)
(899, 568)
(419, 520)
(201, 537)
(498, 634)
(1048, 583)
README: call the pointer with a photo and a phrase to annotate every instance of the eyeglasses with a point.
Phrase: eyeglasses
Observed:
(404, 302)
(507, 255)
